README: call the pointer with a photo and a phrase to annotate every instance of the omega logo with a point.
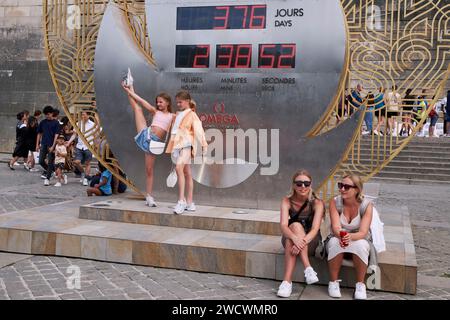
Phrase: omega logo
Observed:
(219, 117)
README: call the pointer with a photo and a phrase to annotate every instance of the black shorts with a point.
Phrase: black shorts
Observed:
(60, 166)
(391, 114)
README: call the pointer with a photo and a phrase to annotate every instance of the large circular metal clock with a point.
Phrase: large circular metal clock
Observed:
(266, 71)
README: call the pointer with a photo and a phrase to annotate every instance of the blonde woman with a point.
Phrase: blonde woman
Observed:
(300, 218)
(351, 216)
(186, 134)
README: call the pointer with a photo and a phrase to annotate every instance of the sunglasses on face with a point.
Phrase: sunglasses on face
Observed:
(300, 183)
(345, 186)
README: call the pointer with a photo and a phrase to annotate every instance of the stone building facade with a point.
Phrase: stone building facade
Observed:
(25, 82)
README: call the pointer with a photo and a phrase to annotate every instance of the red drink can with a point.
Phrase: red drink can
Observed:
(343, 233)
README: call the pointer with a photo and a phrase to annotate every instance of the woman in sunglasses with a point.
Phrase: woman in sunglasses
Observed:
(351, 215)
(300, 219)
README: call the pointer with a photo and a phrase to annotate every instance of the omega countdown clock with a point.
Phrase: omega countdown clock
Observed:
(268, 62)
(267, 69)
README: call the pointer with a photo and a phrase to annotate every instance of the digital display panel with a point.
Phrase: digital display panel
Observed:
(222, 17)
(277, 56)
(235, 56)
(230, 56)
(192, 56)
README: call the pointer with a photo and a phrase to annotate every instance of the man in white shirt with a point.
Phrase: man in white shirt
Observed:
(83, 155)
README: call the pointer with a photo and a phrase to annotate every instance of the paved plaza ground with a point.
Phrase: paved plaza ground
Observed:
(44, 277)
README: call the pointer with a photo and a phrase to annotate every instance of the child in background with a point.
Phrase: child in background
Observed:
(60, 160)
(103, 188)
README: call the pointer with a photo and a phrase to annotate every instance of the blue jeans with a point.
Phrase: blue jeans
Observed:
(368, 119)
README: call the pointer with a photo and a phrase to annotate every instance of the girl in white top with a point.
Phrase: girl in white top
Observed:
(157, 131)
(187, 135)
(354, 242)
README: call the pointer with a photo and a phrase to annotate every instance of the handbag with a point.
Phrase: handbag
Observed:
(172, 178)
(156, 147)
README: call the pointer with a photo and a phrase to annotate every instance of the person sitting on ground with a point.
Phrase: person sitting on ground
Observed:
(351, 216)
(103, 188)
(60, 161)
(300, 218)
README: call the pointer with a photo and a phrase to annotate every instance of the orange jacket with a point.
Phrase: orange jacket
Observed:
(190, 132)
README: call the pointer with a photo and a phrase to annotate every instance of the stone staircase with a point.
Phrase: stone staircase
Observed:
(423, 161)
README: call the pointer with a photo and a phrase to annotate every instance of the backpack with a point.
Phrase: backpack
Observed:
(376, 225)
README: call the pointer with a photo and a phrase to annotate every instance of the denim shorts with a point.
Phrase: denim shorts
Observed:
(143, 139)
(433, 120)
(83, 155)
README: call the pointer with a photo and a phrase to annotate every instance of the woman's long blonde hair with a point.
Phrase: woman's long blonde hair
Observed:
(357, 181)
(302, 172)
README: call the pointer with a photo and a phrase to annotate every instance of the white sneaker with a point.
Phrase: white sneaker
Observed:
(285, 290)
(34, 170)
(58, 184)
(85, 182)
(26, 167)
(43, 176)
(360, 291)
(365, 133)
(65, 178)
(150, 201)
(311, 276)
(191, 207)
(46, 182)
(180, 207)
(333, 289)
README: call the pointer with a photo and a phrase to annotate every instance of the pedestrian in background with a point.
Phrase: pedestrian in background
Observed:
(31, 137)
(48, 131)
(60, 161)
(21, 149)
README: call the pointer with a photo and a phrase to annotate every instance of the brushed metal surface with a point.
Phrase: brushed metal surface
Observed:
(292, 109)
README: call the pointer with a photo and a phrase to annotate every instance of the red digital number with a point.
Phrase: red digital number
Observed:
(222, 18)
(199, 56)
(227, 57)
(246, 56)
(244, 20)
(269, 56)
(261, 18)
(290, 57)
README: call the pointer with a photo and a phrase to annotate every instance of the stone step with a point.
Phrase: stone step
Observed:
(416, 181)
(265, 222)
(419, 170)
(409, 153)
(418, 163)
(57, 230)
(424, 149)
(437, 142)
(412, 176)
